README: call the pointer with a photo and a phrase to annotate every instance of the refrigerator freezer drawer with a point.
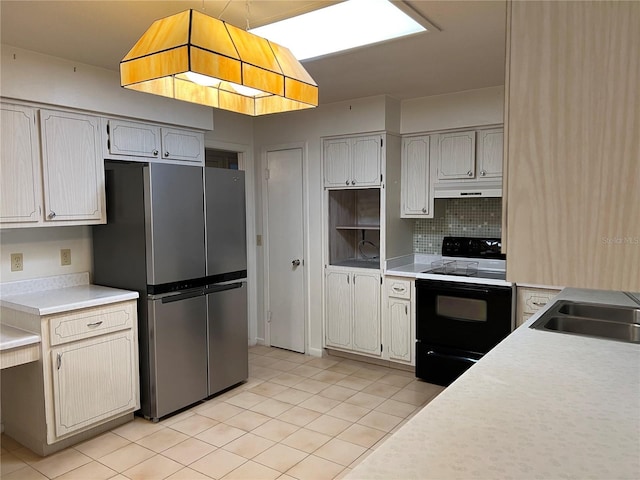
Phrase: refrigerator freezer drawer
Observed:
(178, 353)
(228, 336)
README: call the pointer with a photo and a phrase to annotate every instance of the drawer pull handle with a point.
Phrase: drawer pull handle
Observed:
(539, 304)
(398, 289)
(95, 324)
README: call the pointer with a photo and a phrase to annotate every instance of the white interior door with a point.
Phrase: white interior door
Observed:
(285, 247)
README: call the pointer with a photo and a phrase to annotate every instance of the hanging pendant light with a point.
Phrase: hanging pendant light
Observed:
(196, 58)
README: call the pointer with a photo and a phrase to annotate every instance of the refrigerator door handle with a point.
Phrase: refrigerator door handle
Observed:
(182, 296)
(223, 288)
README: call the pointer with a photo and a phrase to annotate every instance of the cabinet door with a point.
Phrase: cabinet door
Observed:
(182, 145)
(20, 194)
(415, 177)
(72, 166)
(339, 308)
(93, 380)
(456, 155)
(337, 162)
(399, 342)
(490, 152)
(133, 139)
(366, 153)
(366, 313)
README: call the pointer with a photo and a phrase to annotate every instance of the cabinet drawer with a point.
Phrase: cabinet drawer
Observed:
(91, 322)
(399, 288)
(533, 300)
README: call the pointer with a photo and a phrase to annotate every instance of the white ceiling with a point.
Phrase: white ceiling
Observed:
(467, 53)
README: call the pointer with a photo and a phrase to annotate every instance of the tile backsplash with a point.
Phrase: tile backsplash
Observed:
(466, 217)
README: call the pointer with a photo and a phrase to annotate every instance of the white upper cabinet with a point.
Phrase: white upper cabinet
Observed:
(352, 161)
(456, 155)
(132, 138)
(143, 141)
(490, 153)
(473, 155)
(416, 200)
(20, 184)
(73, 173)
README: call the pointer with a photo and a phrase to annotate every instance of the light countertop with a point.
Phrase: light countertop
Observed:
(12, 337)
(65, 299)
(539, 405)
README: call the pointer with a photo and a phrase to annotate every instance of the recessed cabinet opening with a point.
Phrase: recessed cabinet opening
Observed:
(354, 228)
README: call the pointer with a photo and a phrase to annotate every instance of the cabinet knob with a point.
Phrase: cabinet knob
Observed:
(295, 263)
(166, 154)
(424, 210)
(155, 153)
(353, 182)
(52, 214)
(470, 173)
(347, 182)
(482, 173)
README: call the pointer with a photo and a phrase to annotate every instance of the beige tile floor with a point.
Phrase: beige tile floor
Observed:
(297, 417)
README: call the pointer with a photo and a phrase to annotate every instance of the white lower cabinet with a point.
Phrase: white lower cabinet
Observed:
(532, 299)
(92, 380)
(398, 321)
(87, 379)
(352, 316)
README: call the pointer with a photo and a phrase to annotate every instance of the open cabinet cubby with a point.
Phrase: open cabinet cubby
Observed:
(354, 228)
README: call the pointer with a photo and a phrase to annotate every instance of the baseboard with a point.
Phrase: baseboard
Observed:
(315, 352)
(259, 341)
(374, 361)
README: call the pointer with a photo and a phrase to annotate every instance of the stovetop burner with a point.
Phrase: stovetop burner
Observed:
(468, 258)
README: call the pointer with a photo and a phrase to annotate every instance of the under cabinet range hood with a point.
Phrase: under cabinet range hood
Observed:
(462, 190)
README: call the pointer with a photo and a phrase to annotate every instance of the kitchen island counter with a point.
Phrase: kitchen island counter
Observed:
(539, 405)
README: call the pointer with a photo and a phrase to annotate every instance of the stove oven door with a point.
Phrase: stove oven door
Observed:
(462, 316)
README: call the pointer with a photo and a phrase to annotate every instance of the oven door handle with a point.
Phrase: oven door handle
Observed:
(454, 357)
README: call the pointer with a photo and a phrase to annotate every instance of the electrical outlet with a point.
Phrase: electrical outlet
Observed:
(16, 262)
(65, 256)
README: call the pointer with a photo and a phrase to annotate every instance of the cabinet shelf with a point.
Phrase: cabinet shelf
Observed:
(357, 227)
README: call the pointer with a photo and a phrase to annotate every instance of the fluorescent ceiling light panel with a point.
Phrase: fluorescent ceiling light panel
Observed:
(342, 26)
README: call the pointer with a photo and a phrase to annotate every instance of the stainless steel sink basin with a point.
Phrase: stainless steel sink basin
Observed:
(592, 320)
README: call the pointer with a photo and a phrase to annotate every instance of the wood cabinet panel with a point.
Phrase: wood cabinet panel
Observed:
(400, 338)
(132, 138)
(573, 144)
(366, 313)
(182, 145)
(20, 185)
(72, 166)
(456, 155)
(490, 153)
(93, 380)
(352, 161)
(339, 305)
(352, 317)
(416, 197)
(91, 322)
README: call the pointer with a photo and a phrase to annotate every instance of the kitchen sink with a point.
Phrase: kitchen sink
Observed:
(592, 320)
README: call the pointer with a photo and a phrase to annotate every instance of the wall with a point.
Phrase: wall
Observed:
(31, 76)
(468, 217)
(471, 108)
(309, 126)
(40, 248)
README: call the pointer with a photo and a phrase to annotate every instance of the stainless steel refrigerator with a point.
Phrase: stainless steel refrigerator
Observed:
(176, 234)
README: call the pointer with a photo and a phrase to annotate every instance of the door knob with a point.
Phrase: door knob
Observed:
(295, 263)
